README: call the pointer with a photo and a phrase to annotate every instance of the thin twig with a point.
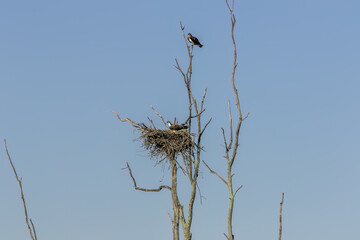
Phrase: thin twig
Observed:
(177, 66)
(33, 228)
(226, 146)
(152, 123)
(205, 127)
(231, 128)
(213, 172)
(22, 195)
(170, 218)
(201, 196)
(238, 190)
(245, 116)
(126, 120)
(280, 218)
(179, 165)
(187, 120)
(145, 189)
(158, 115)
(203, 99)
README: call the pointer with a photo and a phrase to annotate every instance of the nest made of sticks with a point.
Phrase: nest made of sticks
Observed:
(166, 143)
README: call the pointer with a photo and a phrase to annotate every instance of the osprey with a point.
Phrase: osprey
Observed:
(194, 41)
(176, 127)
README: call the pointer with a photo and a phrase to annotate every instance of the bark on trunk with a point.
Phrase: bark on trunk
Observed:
(175, 201)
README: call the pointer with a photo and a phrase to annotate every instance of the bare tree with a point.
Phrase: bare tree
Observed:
(167, 144)
(191, 161)
(232, 144)
(29, 222)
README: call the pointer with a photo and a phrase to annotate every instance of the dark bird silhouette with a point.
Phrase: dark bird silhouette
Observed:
(176, 127)
(194, 41)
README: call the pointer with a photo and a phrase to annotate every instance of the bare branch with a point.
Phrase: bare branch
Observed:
(226, 146)
(201, 196)
(187, 167)
(205, 127)
(238, 190)
(231, 9)
(245, 116)
(158, 115)
(182, 27)
(145, 189)
(152, 123)
(170, 218)
(187, 120)
(187, 45)
(177, 66)
(126, 120)
(280, 218)
(33, 228)
(226, 236)
(203, 100)
(213, 172)
(182, 169)
(22, 196)
(231, 128)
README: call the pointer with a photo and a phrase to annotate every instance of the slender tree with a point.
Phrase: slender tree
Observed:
(232, 141)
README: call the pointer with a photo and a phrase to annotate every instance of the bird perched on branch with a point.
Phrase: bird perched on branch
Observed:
(176, 127)
(194, 41)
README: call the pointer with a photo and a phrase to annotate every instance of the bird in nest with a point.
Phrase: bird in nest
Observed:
(194, 41)
(176, 127)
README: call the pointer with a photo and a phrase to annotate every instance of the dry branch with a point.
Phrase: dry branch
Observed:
(136, 125)
(280, 218)
(161, 117)
(145, 189)
(213, 172)
(31, 229)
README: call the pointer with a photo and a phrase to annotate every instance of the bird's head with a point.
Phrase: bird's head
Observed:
(189, 34)
(169, 123)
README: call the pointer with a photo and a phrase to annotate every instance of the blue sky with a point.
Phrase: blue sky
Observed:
(64, 65)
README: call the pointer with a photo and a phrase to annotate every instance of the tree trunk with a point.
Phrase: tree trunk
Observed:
(175, 200)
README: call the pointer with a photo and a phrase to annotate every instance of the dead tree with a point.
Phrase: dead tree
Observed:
(232, 141)
(191, 161)
(167, 145)
(29, 222)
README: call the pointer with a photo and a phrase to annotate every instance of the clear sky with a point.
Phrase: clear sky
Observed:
(64, 65)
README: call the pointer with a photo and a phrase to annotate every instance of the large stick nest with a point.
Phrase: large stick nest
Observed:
(166, 143)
